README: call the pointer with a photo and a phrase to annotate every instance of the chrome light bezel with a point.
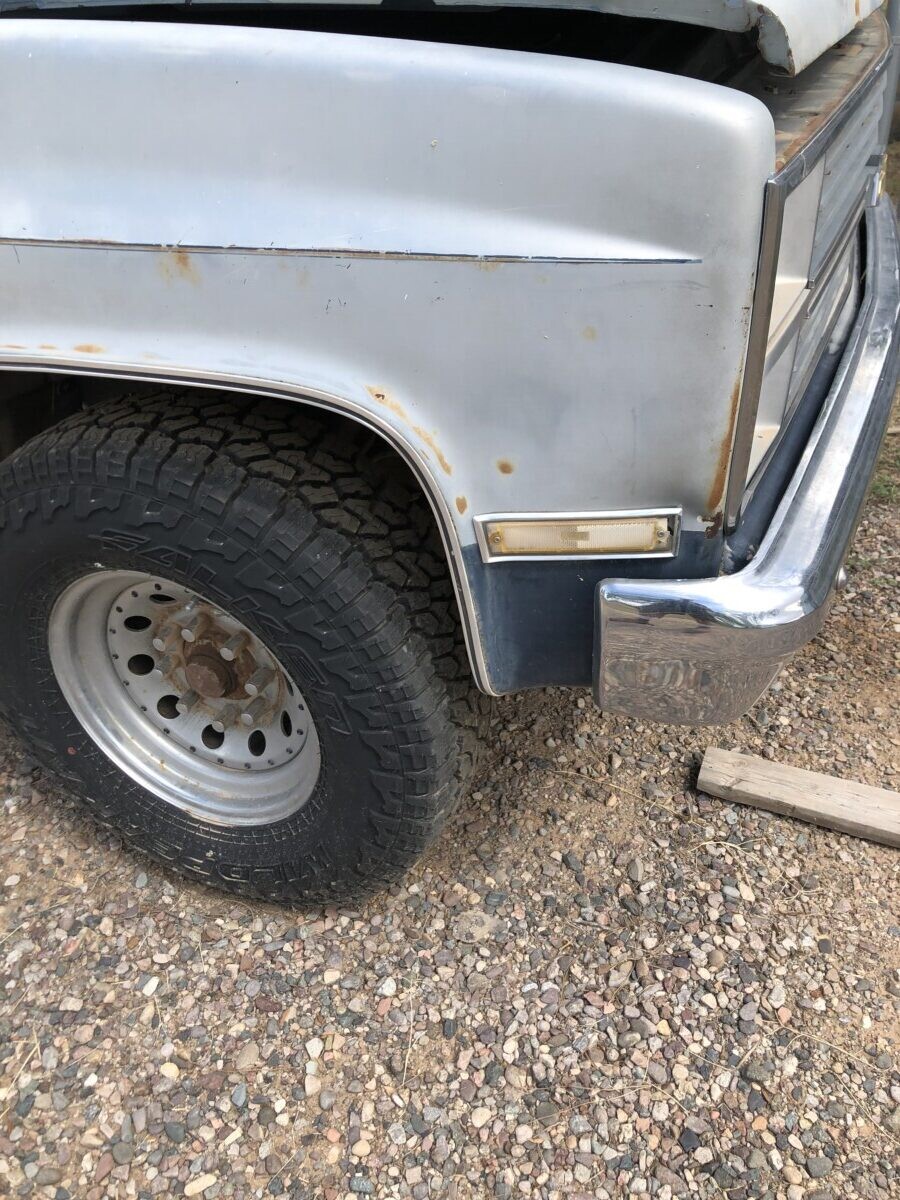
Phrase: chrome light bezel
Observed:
(672, 515)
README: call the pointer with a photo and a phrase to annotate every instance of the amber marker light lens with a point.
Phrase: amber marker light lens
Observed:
(590, 536)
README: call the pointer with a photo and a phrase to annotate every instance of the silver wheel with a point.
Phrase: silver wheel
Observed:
(184, 698)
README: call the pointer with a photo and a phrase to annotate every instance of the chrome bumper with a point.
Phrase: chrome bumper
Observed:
(702, 651)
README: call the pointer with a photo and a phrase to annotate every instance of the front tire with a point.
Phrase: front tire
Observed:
(271, 535)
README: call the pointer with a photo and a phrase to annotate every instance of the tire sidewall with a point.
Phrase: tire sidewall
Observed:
(61, 532)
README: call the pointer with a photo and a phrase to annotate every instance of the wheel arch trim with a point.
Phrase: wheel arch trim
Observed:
(314, 398)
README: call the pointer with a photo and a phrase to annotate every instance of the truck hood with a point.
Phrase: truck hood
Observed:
(792, 33)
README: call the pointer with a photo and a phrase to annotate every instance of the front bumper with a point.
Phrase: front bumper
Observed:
(702, 651)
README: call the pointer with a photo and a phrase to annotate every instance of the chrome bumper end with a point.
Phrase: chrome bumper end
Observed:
(702, 651)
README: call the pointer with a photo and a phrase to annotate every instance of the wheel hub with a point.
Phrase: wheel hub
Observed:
(158, 674)
(208, 675)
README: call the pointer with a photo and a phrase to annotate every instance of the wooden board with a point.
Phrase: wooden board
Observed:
(856, 808)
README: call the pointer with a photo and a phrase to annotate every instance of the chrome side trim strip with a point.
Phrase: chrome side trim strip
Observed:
(319, 399)
(338, 252)
(701, 652)
(757, 347)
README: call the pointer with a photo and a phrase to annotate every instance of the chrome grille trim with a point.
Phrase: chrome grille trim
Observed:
(851, 116)
(847, 163)
(825, 308)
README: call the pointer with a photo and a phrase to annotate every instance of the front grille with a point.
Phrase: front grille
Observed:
(849, 165)
(839, 291)
(828, 126)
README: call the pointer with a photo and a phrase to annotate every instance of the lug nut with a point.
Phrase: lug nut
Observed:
(227, 717)
(251, 714)
(233, 647)
(259, 681)
(187, 702)
(192, 627)
(190, 618)
(164, 666)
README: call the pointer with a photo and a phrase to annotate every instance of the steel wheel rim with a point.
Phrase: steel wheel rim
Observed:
(234, 744)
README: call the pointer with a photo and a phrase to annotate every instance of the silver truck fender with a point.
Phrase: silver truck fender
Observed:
(531, 274)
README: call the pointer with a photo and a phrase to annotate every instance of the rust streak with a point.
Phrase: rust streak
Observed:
(504, 466)
(389, 403)
(789, 147)
(461, 504)
(428, 439)
(720, 475)
(812, 106)
(46, 346)
(88, 348)
(398, 410)
(178, 265)
(12, 346)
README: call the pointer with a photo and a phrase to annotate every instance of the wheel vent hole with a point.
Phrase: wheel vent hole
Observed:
(166, 706)
(162, 598)
(136, 623)
(140, 664)
(256, 743)
(211, 739)
(287, 727)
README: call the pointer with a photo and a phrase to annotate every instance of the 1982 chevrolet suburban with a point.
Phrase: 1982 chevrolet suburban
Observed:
(354, 353)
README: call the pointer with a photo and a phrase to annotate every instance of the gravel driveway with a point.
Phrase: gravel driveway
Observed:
(598, 984)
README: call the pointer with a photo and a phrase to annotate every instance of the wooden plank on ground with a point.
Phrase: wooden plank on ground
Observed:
(855, 808)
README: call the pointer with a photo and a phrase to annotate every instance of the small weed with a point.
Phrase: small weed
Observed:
(886, 484)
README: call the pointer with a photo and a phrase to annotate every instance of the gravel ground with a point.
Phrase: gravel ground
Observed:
(599, 983)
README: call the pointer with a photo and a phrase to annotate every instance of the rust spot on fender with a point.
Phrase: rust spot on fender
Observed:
(715, 524)
(178, 265)
(12, 346)
(461, 504)
(720, 475)
(88, 348)
(589, 333)
(428, 439)
(46, 346)
(392, 405)
(504, 466)
(389, 403)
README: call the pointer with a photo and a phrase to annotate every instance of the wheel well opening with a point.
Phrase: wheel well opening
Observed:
(33, 402)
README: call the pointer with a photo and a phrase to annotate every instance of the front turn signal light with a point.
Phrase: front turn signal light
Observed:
(583, 536)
